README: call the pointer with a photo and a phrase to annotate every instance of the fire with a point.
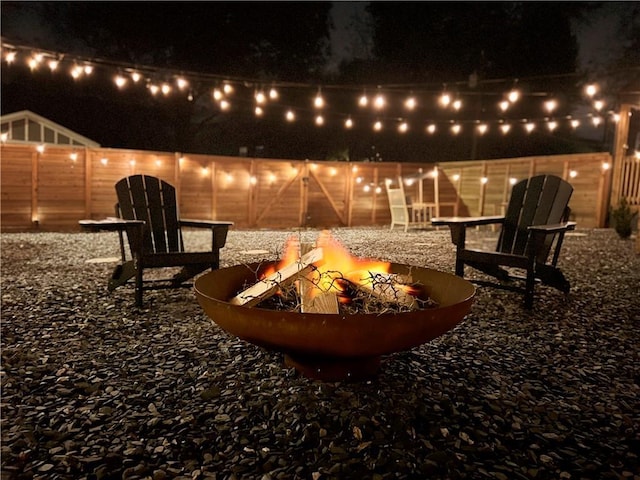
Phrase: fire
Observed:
(337, 268)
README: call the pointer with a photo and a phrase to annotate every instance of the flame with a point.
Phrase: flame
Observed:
(338, 267)
(290, 255)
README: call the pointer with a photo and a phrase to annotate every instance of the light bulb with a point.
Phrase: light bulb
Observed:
(379, 102)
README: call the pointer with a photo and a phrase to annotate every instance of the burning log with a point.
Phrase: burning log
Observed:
(269, 285)
(314, 299)
(388, 288)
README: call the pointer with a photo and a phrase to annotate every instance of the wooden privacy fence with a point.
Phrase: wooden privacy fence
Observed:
(53, 189)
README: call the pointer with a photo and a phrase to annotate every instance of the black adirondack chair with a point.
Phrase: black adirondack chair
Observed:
(154, 236)
(533, 227)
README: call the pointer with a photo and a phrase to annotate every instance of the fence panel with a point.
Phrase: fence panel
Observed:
(50, 191)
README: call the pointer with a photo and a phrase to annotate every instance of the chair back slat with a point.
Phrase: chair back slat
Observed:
(539, 200)
(147, 198)
(155, 207)
(529, 208)
(512, 217)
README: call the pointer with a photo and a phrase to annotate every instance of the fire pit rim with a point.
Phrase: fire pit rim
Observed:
(329, 335)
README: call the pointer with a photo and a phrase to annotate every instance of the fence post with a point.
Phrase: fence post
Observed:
(35, 160)
(619, 150)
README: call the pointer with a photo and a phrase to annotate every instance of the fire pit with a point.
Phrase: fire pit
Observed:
(334, 346)
(335, 315)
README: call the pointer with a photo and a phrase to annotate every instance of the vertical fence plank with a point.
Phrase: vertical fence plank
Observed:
(35, 161)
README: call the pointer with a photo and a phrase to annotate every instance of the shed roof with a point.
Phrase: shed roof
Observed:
(28, 127)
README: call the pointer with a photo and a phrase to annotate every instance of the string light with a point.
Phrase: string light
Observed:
(550, 105)
(120, 81)
(410, 103)
(591, 90)
(79, 68)
(379, 102)
(260, 98)
(181, 83)
(319, 120)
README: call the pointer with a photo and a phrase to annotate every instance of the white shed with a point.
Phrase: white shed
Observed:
(28, 127)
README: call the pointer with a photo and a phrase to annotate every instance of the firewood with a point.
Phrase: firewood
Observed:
(388, 288)
(269, 285)
(314, 300)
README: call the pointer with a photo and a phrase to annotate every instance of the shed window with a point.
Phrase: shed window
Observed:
(49, 135)
(63, 139)
(35, 135)
(18, 130)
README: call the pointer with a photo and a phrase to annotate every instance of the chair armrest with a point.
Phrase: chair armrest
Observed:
(204, 223)
(553, 228)
(466, 221)
(110, 224)
(218, 228)
(458, 226)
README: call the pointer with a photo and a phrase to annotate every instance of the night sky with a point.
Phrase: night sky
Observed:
(476, 50)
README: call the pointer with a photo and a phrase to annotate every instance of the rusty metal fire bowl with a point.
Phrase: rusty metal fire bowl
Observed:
(334, 347)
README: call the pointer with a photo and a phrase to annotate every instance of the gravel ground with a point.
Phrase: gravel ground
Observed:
(95, 388)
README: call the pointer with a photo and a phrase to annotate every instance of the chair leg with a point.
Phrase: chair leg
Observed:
(139, 285)
(121, 275)
(529, 288)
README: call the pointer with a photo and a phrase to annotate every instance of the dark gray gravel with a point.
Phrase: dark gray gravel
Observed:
(94, 388)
